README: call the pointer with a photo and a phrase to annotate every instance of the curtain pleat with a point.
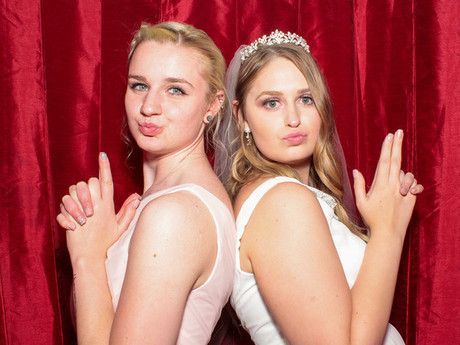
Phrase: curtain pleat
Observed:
(436, 280)
(29, 290)
(389, 64)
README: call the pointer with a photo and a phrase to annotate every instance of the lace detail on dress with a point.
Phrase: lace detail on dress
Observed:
(328, 199)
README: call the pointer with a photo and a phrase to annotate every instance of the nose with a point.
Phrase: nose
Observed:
(292, 117)
(150, 105)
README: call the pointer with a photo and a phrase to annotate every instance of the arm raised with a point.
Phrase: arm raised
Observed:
(87, 246)
(297, 269)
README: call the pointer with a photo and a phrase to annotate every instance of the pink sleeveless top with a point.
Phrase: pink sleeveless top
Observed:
(204, 304)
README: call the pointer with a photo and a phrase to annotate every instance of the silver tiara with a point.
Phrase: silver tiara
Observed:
(276, 37)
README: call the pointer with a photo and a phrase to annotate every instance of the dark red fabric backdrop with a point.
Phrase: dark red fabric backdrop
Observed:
(390, 64)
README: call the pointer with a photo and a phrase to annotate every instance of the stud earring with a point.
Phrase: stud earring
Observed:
(247, 135)
(209, 118)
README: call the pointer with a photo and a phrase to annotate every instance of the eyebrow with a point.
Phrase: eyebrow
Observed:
(178, 80)
(168, 80)
(278, 93)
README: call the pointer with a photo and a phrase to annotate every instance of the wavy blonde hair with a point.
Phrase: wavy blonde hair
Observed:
(213, 64)
(325, 170)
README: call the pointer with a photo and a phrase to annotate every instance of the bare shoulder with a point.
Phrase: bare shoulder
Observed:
(288, 247)
(172, 251)
(289, 193)
(287, 205)
(176, 211)
(179, 228)
(287, 200)
(286, 217)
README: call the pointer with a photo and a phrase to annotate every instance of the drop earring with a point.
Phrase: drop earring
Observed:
(247, 135)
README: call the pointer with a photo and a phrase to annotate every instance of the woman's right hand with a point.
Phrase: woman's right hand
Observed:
(79, 199)
(383, 208)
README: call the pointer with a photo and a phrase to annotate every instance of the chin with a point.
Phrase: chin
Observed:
(148, 145)
(291, 158)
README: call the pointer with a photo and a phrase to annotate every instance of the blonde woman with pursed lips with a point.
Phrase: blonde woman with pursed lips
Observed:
(161, 270)
(305, 272)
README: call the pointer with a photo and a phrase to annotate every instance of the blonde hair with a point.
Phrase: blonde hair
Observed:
(325, 170)
(213, 63)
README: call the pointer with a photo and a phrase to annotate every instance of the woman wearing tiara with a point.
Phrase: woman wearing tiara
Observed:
(305, 272)
(166, 278)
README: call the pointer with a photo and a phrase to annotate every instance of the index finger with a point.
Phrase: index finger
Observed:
(105, 176)
(396, 155)
(383, 165)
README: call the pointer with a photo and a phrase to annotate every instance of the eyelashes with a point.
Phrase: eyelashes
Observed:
(172, 90)
(175, 90)
(271, 103)
(138, 86)
(275, 103)
(308, 100)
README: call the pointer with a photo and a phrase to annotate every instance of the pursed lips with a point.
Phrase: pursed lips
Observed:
(149, 129)
(295, 138)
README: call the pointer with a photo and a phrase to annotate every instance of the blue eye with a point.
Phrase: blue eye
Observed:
(271, 103)
(138, 86)
(307, 100)
(176, 91)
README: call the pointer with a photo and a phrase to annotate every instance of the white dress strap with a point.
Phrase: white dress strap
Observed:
(251, 202)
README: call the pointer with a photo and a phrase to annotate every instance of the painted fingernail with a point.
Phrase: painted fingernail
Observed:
(399, 133)
(71, 226)
(389, 136)
(103, 155)
(88, 211)
(355, 173)
(81, 220)
(136, 203)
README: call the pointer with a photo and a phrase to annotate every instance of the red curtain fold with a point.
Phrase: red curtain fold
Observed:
(389, 64)
(28, 279)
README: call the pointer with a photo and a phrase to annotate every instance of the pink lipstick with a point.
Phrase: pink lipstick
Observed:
(295, 138)
(149, 129)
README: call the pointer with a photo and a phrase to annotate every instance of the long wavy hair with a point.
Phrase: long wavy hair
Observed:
(249, 163)
(213, 67)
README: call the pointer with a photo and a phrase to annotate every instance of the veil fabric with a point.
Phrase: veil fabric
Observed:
(228, 129)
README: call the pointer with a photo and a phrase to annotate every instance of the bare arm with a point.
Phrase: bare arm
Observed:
(297, 267)
(387, 214)
(93, 303)
(172, 251)
(87, 247)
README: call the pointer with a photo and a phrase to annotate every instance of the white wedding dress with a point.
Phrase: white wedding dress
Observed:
(246, 298)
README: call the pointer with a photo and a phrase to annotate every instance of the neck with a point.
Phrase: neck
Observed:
(165, 171)
(303, 169)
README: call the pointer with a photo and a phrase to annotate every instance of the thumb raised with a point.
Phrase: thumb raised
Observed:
(359, 185)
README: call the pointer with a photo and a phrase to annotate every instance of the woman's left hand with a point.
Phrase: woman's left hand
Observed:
(92, 239)
(384, 208)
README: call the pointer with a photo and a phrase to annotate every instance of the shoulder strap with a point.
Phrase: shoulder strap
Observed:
(251, 202)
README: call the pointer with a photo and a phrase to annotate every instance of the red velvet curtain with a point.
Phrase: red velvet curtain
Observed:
(390, 64)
